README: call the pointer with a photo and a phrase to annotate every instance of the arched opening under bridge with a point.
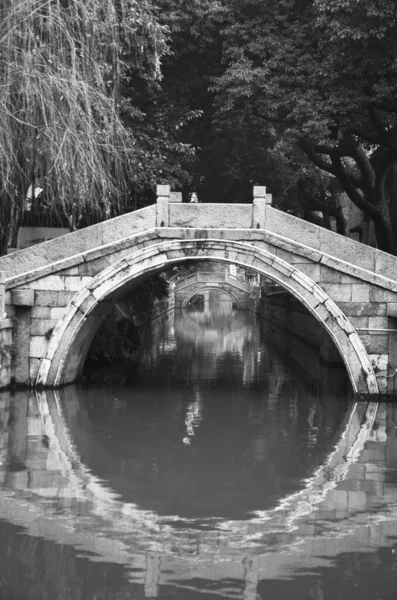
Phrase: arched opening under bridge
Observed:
(73, 334)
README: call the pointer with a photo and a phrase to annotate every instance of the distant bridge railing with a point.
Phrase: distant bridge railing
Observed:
(211, 278)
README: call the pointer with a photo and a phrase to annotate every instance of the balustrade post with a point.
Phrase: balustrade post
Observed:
(163, 199)
(261, 199)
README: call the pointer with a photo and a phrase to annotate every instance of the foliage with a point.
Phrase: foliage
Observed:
(235, 147)
(77, 77)
(323, 74)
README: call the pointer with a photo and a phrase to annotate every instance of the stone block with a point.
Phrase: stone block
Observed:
(163, 190)
(57, 312)
(378, 323)
(378, 294)
(211, 216)
(46, 298)
(42, 327)
(259, 191)
(360, 292)
(359, 322)
(310, 270)
(22, 297)
(331, 275)
(363, 309)
(392, 309)
(38, 346)
(92, 268)
(50, 282)
(41, 312)
(338, 292)
(375, 343)
(74, 284)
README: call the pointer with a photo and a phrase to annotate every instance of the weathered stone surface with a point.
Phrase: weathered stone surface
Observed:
(386, 265)
(259, 212)
(77, 242)
(51, 282)
(292, 228)
(330, 275)
(378, 322)
(43, 312)
(55, 313)
(22, 297)
(92, 268)
(162, 215)
(375, 343)
(339, 293)
(392, 309)
(74, 284)
(362, 309)
(38, 346)
(208, 216)
(42, 327)
(377, 294)
(347, 250)
(360, 292)
(380, 363)
(54, 299)
(310, 270)
(359, 322)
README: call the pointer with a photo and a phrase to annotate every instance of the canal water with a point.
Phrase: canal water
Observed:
(220, 466)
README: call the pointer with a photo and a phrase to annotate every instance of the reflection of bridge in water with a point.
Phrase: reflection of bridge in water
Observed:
(54, 495)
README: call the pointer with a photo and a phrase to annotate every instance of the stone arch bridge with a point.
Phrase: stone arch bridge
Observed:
(55, 294)
(201, 282)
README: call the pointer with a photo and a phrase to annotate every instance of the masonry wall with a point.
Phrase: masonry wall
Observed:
(294, 331)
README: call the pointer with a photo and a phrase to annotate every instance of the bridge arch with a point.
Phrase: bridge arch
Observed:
(205, 288)
(73, 334)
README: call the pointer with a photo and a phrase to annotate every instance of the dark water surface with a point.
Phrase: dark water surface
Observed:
(220, 467)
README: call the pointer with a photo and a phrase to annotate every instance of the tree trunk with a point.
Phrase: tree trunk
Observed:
(385, 238)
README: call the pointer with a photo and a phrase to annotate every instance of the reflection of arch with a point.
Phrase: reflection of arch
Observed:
(206, 288)
(107, 528)
(357, 429)
(71, 338)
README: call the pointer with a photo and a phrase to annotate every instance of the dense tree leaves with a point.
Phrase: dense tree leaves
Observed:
(104, 98)
(323, 73)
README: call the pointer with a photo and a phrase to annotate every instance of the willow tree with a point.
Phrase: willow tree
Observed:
(62, 64)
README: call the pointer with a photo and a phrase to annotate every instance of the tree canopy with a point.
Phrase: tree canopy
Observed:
(323, 74)
(101, 99)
